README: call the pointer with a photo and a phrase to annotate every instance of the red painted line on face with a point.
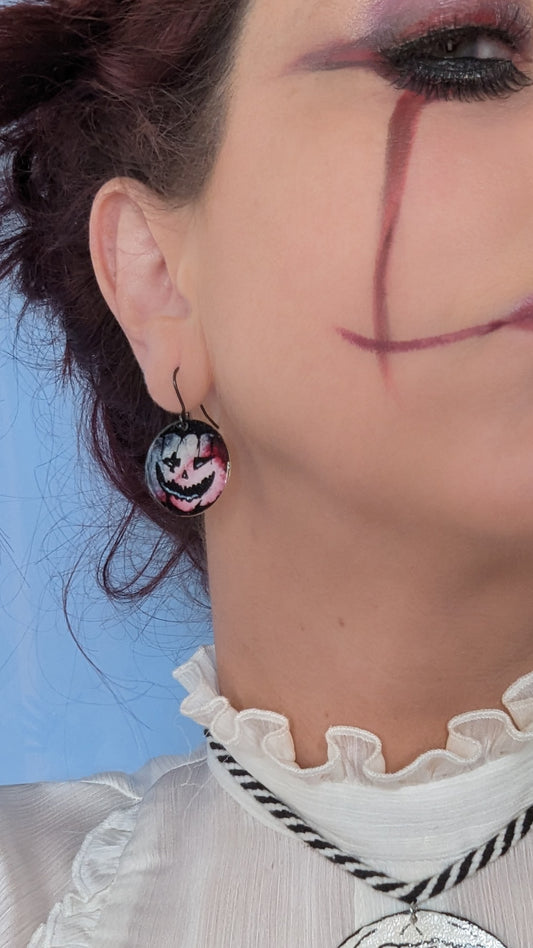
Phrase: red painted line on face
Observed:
(401, 136)
(400, 141)
(333, 56)
(521, 318)
(402, 130)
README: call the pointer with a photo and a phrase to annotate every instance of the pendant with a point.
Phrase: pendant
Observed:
(421, 929)
(187, 467)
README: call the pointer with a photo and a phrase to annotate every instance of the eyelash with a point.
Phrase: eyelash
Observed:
(421, 65)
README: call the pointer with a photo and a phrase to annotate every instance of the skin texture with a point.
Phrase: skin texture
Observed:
(380, 523)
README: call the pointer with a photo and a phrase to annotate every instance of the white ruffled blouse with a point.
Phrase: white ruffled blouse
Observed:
(180, 855)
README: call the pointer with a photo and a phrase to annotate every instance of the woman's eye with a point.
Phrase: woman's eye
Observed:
(464, 63)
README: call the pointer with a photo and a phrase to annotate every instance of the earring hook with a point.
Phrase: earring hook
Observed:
(184, 414)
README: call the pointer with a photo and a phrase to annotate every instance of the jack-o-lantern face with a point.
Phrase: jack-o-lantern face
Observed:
(187, 470)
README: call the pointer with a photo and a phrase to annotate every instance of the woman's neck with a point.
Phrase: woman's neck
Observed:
(391, 632)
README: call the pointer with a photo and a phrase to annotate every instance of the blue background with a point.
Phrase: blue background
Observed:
(61, 718)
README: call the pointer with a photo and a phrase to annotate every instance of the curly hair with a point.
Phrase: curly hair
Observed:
(90, 90)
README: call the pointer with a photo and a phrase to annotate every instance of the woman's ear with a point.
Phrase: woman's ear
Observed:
(143, 258)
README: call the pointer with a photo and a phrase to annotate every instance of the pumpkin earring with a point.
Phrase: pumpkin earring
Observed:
(187, 465)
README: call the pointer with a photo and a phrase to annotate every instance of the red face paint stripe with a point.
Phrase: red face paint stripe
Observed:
(402, 130)
(401, 136)
(521, 318)
(386, 347)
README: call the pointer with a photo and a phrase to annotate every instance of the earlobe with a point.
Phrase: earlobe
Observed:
(139, 249)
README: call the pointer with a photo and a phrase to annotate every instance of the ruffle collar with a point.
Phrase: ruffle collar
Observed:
(355, 755)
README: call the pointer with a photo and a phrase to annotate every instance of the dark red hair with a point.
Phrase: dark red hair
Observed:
(90, 90)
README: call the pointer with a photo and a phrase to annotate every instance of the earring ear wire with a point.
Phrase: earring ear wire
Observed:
(187, 465)
(184, 412)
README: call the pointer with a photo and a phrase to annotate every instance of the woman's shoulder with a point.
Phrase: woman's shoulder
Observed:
(66, 837)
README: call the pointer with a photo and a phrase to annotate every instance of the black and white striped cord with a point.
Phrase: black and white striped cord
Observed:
(410, 893)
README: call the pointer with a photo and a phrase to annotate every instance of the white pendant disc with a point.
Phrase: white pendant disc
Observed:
(425, 930)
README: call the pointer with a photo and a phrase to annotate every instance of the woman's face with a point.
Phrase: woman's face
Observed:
(364, 256)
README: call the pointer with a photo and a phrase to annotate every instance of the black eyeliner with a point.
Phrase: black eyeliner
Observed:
(427, 65)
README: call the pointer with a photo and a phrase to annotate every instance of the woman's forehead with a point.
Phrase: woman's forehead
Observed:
(279, 19)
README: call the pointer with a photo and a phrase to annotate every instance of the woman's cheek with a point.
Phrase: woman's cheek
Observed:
(294, 224)
(462, 253)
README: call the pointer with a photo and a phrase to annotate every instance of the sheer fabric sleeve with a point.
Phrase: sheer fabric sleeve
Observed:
(43, 828)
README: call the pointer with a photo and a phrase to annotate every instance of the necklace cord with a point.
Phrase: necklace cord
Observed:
(411, 894)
